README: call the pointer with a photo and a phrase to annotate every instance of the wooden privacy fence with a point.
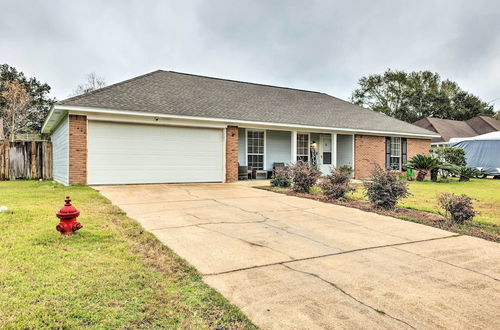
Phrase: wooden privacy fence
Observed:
(25, 160)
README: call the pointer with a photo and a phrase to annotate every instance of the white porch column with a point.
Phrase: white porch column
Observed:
(293, 152)
(334, 149)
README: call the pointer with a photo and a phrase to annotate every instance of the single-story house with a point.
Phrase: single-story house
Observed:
(448, 129)
(169, 127)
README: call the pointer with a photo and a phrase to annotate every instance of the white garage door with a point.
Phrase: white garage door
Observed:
(130, 153)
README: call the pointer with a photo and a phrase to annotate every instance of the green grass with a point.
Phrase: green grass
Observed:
(110, 274)
(486, 194)
(315, 190)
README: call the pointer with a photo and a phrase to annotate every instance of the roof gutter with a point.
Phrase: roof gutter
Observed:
(61, 107)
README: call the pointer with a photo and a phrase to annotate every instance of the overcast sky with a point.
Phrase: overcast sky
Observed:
(316, 45)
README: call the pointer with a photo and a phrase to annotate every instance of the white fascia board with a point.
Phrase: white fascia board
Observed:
(49, 117)
(241, 123)
(53, 119)
(151, 120)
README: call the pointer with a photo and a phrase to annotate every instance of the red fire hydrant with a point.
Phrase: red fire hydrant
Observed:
(67, 215)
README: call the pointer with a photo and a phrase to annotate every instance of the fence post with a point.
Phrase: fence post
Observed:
(2, 160)
(48, 158)
(7, 159)
(34, 157)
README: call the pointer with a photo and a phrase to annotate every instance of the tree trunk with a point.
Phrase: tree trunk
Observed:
(463, 179)
(421, 175)
(434, 174)
(12, 128)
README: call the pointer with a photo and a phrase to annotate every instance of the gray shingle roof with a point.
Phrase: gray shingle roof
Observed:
(167, 92)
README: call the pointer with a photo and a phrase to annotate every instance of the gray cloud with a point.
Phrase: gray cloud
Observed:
(318, 45)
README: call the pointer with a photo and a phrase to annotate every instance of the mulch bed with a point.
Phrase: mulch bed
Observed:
(489, 232)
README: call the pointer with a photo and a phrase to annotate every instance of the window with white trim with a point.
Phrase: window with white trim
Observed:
(303, 147)
(395, 153)
(255, 149)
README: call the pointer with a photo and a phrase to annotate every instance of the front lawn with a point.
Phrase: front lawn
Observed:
(110, 274)
(486, 193)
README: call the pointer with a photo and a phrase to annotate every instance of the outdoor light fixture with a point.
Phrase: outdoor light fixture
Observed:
(314, 145)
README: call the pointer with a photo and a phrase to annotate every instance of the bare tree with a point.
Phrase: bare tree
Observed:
(16, 109)
(93, 82)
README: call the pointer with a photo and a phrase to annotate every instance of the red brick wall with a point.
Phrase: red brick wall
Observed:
(77, 149)
(368, 151)
(418, 146)
(231, 154)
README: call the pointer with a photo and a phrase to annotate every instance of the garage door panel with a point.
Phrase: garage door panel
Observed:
(130, 153)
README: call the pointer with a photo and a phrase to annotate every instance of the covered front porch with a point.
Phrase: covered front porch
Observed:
(264, 150)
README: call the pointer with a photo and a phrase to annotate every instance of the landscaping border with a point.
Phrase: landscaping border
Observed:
(408, 214)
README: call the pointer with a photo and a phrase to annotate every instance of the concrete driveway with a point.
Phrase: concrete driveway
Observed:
(290, 263)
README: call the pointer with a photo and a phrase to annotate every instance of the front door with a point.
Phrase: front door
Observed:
(325, 154)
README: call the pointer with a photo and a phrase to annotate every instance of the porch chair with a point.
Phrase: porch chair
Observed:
(250, 172)
(277, 166)
(242, 172)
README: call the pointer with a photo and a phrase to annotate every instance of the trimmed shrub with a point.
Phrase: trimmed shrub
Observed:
(282, 178)
(384, 190)
(303, 177)
(336, 184)
(345, 169)
(466, 173)
(458, 208)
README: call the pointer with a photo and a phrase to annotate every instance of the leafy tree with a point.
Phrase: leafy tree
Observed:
(416, 95)
(15, 112)
(451, 155)
(40, 102)
(92, 82)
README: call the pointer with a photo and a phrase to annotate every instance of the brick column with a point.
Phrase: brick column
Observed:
(368, 151)
(231, 154)
(77, 149)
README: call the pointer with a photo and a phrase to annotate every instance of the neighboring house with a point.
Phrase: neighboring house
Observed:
(458, 129)
(174, 127)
